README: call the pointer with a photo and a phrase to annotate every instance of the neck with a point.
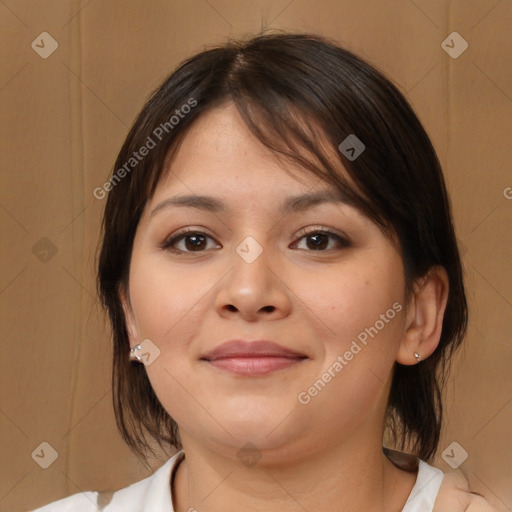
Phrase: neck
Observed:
(353, 475)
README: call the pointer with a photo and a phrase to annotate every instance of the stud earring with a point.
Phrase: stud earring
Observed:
(417, 356)
(133, 356)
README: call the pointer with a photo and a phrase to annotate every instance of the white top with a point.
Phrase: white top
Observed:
(153, 494)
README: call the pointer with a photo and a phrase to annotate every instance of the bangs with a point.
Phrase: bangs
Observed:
(299, 137)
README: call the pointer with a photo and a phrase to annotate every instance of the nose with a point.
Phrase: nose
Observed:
(254, 291)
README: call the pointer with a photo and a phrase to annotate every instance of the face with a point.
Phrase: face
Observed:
(316, 277)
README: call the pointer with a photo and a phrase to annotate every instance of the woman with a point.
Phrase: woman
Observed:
(285, 290)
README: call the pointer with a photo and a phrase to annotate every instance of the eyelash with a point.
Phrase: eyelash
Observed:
(170, 242)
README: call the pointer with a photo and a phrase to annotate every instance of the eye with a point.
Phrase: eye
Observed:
(191, 241)
(188, 241)
(320, 240)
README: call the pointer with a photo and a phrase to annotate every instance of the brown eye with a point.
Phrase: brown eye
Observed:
(190, 241)
(194, 242)
(317, 241)
(322, 240)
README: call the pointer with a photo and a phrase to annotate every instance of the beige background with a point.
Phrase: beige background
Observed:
(63, 121)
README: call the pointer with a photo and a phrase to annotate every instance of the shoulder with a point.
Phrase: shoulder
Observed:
(455, 495)
(437, 491)
(151, 494)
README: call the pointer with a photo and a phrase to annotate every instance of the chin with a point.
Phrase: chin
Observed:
(266, 432)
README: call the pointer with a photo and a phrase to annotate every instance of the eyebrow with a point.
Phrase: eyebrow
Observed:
(292, 204)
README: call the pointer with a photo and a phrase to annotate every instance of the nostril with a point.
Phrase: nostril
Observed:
(269, 309)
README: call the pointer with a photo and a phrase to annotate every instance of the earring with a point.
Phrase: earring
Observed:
(417, 356)
(133, 356)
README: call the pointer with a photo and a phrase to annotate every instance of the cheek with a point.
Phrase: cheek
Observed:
(362, 307)
(354, 297)
(165, 300)
(169, 305)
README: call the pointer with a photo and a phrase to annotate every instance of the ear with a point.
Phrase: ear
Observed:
(424, 316)
(129, 315)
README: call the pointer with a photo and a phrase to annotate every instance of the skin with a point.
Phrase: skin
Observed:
(327, 454)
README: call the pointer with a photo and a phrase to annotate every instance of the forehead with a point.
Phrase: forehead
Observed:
(219, 152)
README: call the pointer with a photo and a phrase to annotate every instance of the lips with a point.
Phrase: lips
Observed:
(252, 357)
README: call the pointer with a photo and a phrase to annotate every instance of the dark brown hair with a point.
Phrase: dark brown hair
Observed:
(296, 92)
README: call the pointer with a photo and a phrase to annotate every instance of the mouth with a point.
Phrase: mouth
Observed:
(252, 358)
